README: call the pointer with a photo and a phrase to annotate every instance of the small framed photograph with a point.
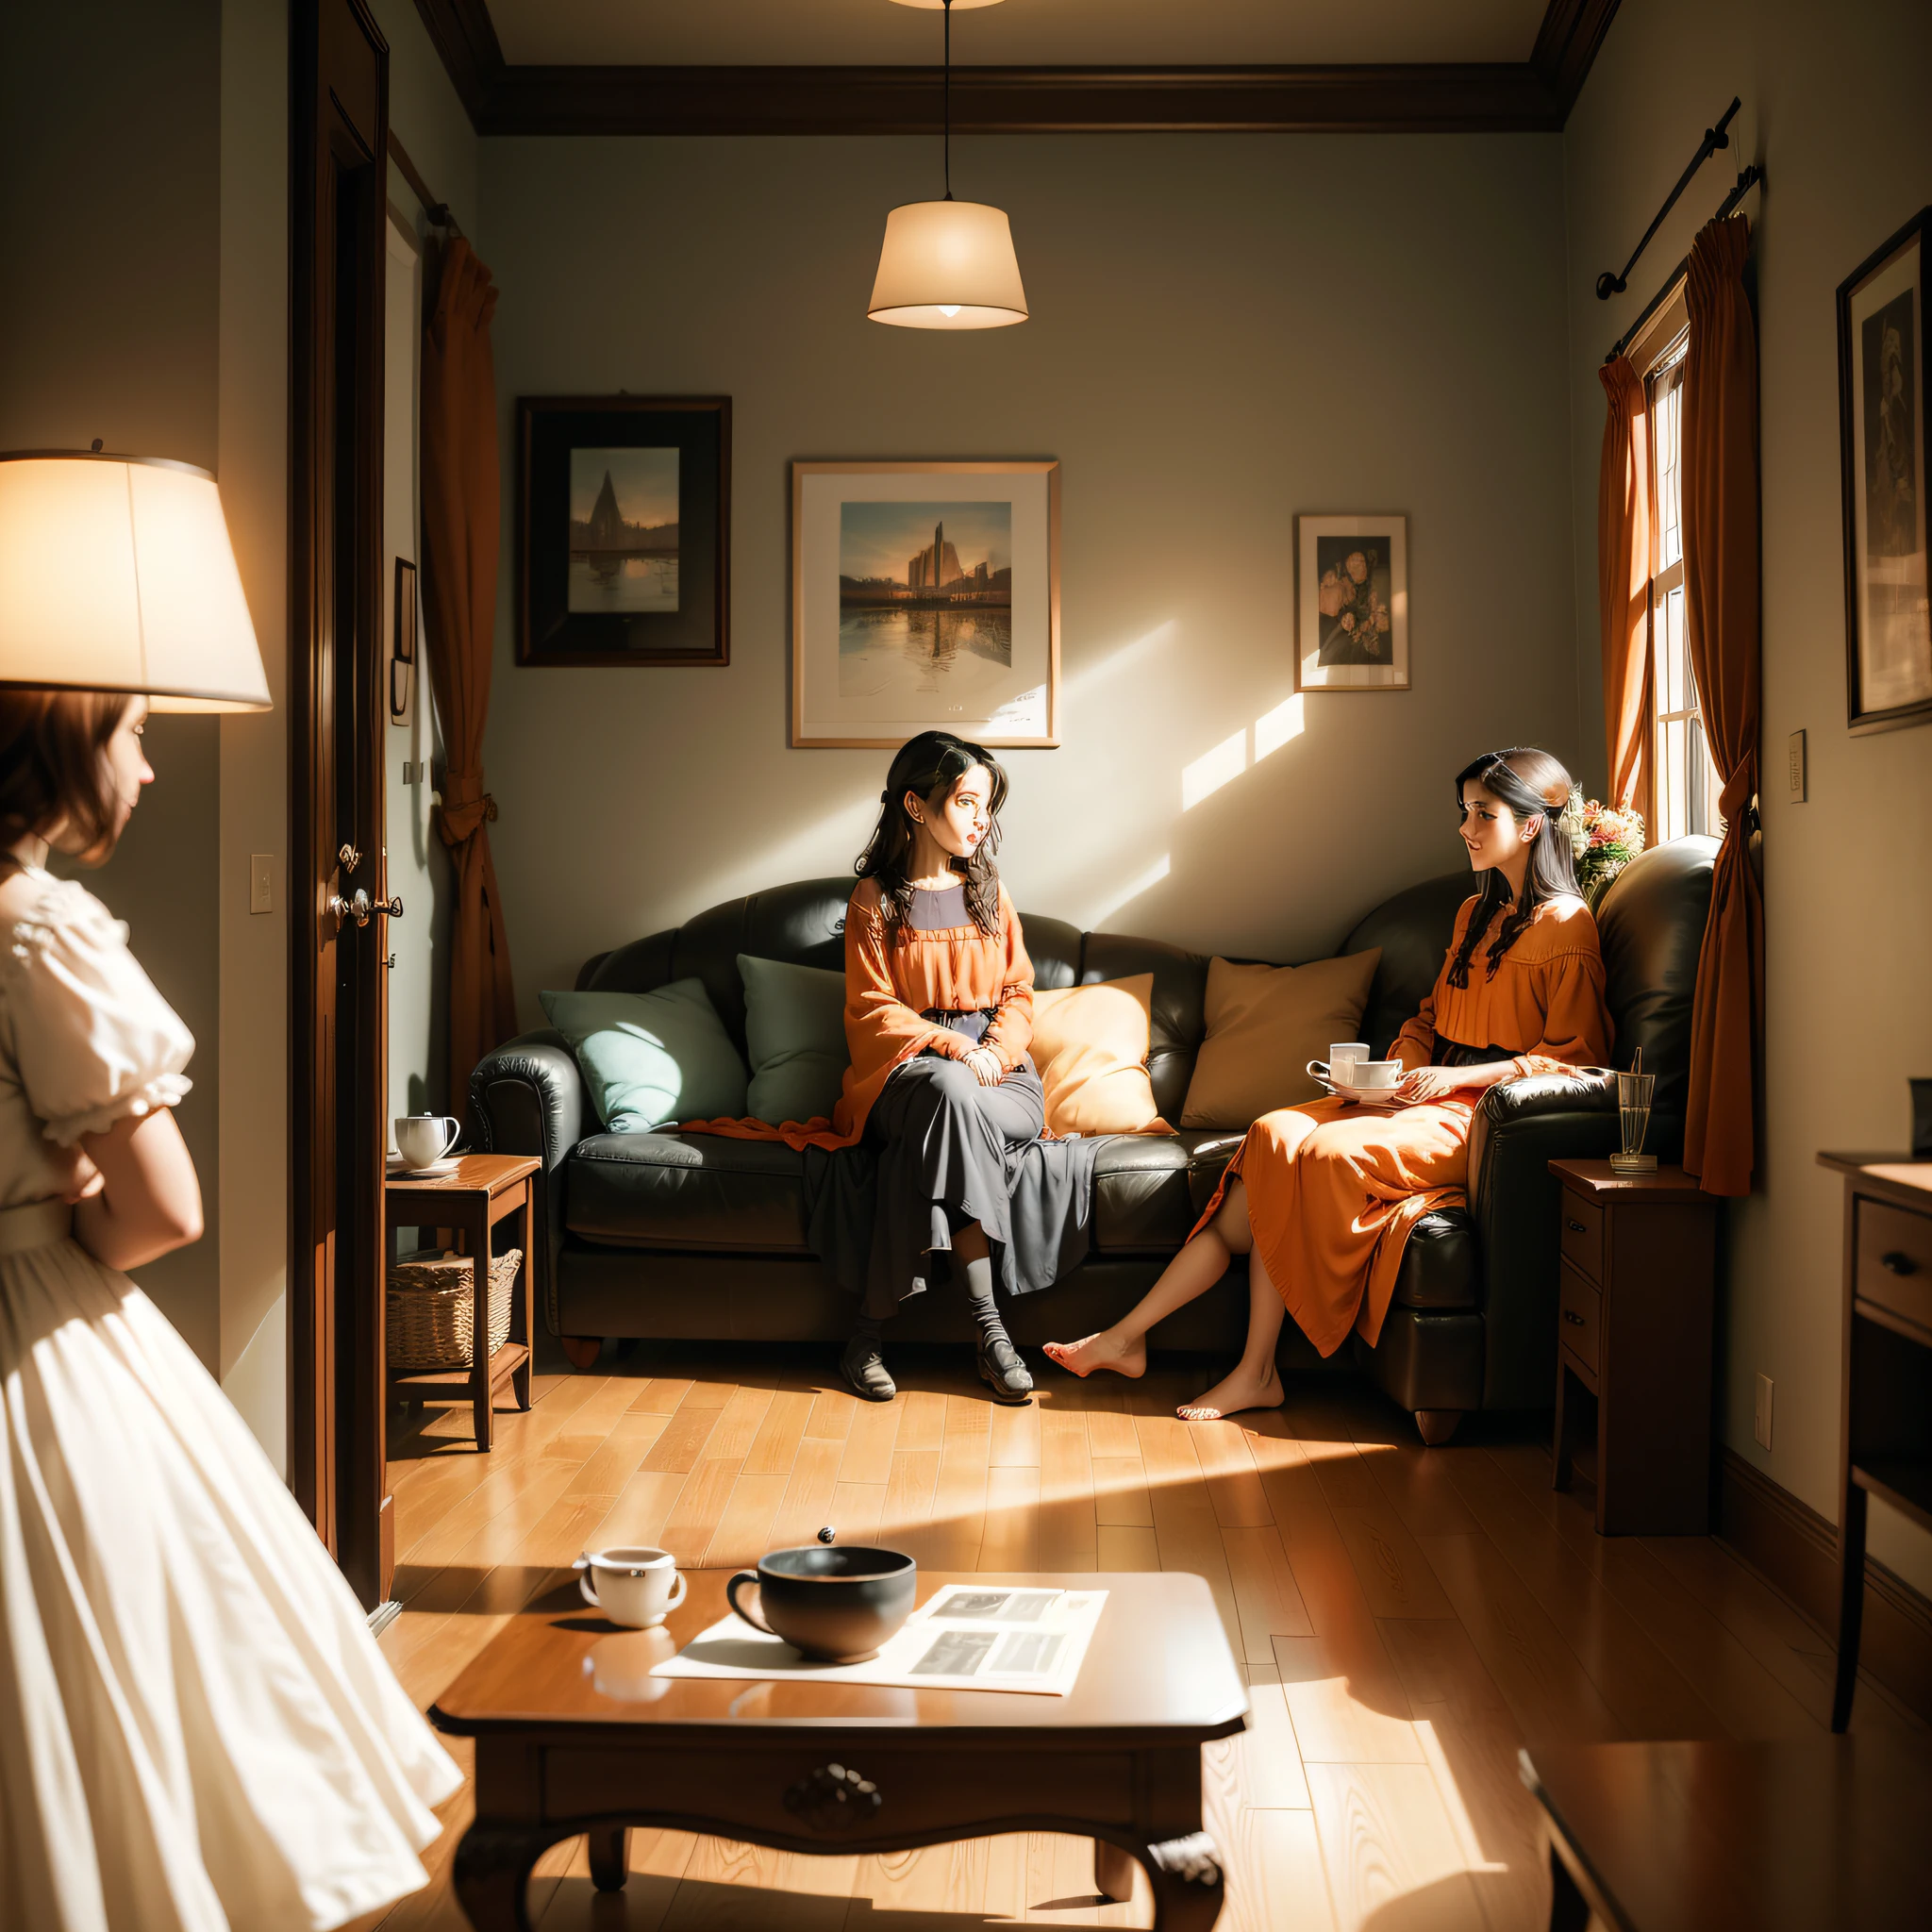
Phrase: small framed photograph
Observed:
(1351, 603)
(925, 595)
(402, 645)
(1881, 387)
(623, 529)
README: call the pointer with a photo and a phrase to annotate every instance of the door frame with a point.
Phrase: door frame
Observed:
(338, 1074)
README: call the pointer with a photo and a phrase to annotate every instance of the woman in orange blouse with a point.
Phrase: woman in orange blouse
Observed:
(1322, 1197)
(937, 1145)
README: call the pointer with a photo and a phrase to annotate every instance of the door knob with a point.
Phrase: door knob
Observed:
(390, 907)
(357, 908)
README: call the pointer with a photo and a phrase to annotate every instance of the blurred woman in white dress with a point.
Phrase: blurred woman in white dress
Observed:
(196, 1729)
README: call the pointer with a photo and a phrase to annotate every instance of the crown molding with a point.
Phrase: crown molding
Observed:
(1531, 97)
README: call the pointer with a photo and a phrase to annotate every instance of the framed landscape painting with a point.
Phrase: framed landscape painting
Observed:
(925, 596)
(1881, 377)
(1351, 603)
(622, 531)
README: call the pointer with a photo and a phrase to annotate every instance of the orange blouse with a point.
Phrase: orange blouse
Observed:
(1545, 1004)
(893, 979)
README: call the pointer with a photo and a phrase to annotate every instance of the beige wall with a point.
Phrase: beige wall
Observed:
(1834, 110)
(1226, 330)
(109, 238)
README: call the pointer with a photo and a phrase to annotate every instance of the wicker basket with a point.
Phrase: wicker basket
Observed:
(430, 1312)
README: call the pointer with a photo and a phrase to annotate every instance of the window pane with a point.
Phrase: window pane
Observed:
(1674, 683)
(1666, 421)
(1673, 805)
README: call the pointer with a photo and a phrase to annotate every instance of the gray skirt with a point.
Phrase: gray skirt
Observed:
(942, 1151)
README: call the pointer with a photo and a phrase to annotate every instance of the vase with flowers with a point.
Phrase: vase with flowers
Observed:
(1605, 839)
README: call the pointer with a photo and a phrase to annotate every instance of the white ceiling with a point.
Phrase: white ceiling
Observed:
(1084, 33)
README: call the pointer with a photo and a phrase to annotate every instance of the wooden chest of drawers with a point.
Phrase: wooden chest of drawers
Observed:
(1635, 1308)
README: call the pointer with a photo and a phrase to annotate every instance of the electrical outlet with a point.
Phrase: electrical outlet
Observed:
(1760, 1421)
(261, 882)
(1795, 751)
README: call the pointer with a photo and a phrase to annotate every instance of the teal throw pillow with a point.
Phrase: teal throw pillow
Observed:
(651, 1059)
(795, 1027)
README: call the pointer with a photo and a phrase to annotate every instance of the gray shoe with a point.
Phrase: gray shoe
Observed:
(864, 1370)
(1002, 1371)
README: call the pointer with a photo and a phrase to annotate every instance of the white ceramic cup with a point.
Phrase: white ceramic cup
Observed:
(1375, 1076)
(636, 1585)
(1341, 1056)
(422, 1137)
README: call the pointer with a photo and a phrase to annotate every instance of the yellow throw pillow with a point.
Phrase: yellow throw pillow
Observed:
(1090, 1043)
(1265, 1024)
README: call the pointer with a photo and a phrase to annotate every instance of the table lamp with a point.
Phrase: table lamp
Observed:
(116, 574)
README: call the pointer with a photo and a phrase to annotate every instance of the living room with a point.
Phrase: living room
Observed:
(1328, 263)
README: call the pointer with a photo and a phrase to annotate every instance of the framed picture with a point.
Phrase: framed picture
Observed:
(925, 595)
(402, 643)
(1881, 392)
(623, 529)
(1351, 603)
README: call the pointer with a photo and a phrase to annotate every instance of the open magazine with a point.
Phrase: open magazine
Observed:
(969, 1638)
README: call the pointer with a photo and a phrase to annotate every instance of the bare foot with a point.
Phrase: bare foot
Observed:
(1102, 1351)
(1242, 1390)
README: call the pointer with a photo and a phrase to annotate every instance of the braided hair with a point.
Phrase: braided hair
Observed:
(1533, 785)
(929, 766)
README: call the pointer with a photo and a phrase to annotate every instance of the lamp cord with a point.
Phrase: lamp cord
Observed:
(947, 4)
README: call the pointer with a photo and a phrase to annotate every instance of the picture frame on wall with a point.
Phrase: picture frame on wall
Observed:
(1351, 603)
(623, 530)
(925, 596)
(1882, 338)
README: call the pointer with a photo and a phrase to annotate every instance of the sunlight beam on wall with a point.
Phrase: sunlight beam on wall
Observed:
(1128, 655)
(1132, 890)
(1213, 769)
(1273, 729)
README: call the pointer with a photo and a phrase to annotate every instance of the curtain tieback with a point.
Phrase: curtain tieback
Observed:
(466, 807)
(1737, 802)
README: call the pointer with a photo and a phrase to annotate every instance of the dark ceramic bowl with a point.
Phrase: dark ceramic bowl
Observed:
(835, 1606)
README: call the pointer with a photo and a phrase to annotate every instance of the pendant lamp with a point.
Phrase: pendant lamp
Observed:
(948, 264)
(116, 574)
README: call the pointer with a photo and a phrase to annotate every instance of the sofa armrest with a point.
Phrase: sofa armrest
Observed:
(1518, 1130)
(527, 1096)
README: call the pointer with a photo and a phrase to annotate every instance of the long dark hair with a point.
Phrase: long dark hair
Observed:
(929, 766)
(1529, 782)
(54, 776)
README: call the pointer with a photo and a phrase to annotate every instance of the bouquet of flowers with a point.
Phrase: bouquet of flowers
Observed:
(1605, 839)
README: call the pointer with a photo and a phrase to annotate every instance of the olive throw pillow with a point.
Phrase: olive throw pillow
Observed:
(651, 1059)
(1265, 1024)
(1090, 1043)
(794, 1027)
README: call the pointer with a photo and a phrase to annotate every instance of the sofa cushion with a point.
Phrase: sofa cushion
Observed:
(653, 1058)
(1442, 1263)
(688, 1190)
(794, 1036)
(1090, 1043)
(1149, 1189)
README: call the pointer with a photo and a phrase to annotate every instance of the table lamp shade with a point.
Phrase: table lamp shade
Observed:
(948, 264)
(116, 574)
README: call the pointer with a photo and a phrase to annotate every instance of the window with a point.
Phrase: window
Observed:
(1684, 782)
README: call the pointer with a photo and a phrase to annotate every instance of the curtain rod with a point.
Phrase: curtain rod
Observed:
(1752, 177)
(1714, 138)
(436, 211)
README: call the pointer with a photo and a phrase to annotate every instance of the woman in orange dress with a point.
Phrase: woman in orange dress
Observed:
(1322, 1197)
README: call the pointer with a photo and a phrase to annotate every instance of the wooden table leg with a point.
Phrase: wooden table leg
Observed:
(475, 1212)
(1559, 1445)
(610, 1856)
(522, 1314)
(1569, 1908)
(1851, 1603)
(1185, 1873)
(1113, 1872)
(493, 1874)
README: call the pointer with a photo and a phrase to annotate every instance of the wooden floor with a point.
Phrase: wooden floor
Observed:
(1408, 1619)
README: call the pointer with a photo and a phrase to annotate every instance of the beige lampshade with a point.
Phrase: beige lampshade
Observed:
(948, 264)
(116, 574)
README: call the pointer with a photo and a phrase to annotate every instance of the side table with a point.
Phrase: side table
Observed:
(1885, 1423)
(1636, 1300)
(484, 1190)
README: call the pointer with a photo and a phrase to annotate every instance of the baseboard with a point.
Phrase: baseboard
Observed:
(1795, 1550)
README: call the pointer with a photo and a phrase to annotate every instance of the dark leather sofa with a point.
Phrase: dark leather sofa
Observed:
(669, 1235)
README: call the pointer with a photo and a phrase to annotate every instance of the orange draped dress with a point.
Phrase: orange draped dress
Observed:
(1334, 1189)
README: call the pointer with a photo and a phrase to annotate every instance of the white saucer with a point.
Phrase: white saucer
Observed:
(449, 1164)
(1379, 1097)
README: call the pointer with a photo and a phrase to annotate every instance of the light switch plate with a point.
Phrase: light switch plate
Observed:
(1796, 749)
(261, 882)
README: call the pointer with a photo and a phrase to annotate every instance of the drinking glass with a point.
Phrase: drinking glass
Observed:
(1633, 1109)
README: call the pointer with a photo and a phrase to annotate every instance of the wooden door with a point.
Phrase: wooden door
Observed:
(339, 132)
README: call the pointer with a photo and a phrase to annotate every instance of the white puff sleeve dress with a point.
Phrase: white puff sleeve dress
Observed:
(196, 1729)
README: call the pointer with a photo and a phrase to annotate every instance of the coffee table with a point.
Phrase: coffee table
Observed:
(575, 1735)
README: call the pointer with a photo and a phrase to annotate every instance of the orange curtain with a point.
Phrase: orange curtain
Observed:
(1719, 471)
(1625, 544)
(461, 519)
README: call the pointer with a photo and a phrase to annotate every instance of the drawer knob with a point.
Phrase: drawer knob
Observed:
(1571, 1315)
(1576, 1227)
(1896, 1263)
